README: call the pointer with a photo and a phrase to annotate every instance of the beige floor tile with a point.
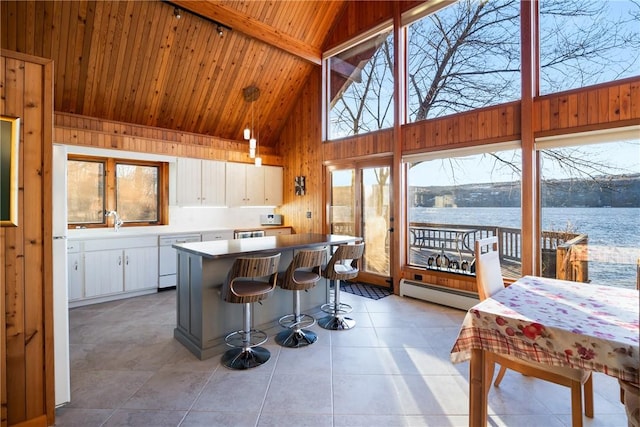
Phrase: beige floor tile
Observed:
(143, 418)
(219, 419)
(392, 369)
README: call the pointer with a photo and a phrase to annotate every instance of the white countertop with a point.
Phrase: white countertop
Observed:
(105, 233)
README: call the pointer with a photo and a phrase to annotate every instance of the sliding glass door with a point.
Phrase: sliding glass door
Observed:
(360, 205)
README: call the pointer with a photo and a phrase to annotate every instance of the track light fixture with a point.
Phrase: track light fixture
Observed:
(177, 12)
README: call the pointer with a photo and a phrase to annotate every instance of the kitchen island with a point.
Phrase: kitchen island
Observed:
(204, 319)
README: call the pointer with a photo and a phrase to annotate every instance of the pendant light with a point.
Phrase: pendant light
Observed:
(251, 94)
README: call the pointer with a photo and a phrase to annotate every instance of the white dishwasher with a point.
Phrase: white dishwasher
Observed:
(168, 257)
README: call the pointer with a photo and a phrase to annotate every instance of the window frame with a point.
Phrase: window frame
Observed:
(110, 190)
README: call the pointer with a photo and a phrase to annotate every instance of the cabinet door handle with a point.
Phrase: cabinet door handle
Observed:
(120, 260)
(75, 266)
(126, 260)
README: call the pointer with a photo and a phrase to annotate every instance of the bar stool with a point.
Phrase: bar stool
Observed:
(300, 277)
(240, 287)
(343, 265)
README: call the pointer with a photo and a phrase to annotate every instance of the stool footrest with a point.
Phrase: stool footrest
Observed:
(239, 339)
(336, 309)
(291, 321)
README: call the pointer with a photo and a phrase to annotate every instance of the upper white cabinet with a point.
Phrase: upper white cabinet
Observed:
(273, 184)
(200, 182)
(248, 185)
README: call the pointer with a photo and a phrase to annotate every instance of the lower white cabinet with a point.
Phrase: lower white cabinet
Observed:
(217, 235)
(75, 276)
(140, 268)
(113, 268)
(103, 273)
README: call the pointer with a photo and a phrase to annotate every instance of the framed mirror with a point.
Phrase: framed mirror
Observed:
(9, 145)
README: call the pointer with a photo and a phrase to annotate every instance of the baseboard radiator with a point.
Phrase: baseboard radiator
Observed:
(438, 294)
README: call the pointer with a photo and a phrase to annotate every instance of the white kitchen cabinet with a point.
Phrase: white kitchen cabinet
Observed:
(248, 185)
(213, 179)
(200, 182)
(188, 181)
(108, 269)
(75, 276)
(103, 273)
(273, 184)
(140, 268)
(208, 236)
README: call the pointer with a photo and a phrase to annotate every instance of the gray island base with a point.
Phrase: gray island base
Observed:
(204, 319)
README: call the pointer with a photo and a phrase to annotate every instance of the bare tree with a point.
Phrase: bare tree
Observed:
(468, 56)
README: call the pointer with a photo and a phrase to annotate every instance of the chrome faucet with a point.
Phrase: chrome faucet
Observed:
(117, 222)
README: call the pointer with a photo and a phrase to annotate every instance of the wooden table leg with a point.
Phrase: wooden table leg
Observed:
(477, 387)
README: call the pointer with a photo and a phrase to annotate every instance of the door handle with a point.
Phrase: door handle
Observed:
(391, 230)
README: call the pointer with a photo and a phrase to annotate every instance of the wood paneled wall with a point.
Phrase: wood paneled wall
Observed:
(606, 105)
(87, 131)
(301, 148)
(26, 86)
(371, 144)
(488, 125)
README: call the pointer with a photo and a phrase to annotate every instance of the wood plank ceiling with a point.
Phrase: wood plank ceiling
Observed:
(135, 62)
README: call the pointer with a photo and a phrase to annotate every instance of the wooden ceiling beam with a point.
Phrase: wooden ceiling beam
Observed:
(251, 27)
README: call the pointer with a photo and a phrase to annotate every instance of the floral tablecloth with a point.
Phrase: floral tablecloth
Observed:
(558, 323)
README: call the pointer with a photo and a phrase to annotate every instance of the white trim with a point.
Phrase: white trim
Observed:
(118, 154)
(461, 152)
(585, 138)
(358, 39)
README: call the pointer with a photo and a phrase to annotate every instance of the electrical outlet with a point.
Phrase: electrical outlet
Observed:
(309, 214)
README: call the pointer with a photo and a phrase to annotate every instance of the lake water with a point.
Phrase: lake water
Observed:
(614, 233)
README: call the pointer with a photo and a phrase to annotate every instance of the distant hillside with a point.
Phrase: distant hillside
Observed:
(614, 191)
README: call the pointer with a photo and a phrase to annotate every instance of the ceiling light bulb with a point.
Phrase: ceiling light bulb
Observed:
(252, 143)
(252, 152)
(219, 29)
(247, 133)
(258, 161)
(176, 13)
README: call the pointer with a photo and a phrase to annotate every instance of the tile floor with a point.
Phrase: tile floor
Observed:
(393, 369)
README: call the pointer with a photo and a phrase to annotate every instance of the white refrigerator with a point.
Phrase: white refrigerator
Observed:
(60, 297)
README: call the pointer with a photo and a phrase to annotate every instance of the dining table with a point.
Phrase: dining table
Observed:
(555, 322)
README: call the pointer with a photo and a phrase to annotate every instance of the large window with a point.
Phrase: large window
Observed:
(455, 199)
(131, 188)
(463, 57)
(360, 87)
(591, 200)
(585, 42)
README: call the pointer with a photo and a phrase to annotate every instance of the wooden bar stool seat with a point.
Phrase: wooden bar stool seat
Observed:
(302, 274)
(246, 284)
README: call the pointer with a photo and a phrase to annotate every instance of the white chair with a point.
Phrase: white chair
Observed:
(489, 281)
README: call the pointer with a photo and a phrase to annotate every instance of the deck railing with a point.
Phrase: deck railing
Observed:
(459, 240)
(562, 252)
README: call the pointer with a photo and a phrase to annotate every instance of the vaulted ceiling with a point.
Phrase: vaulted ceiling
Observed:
(136, 62)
